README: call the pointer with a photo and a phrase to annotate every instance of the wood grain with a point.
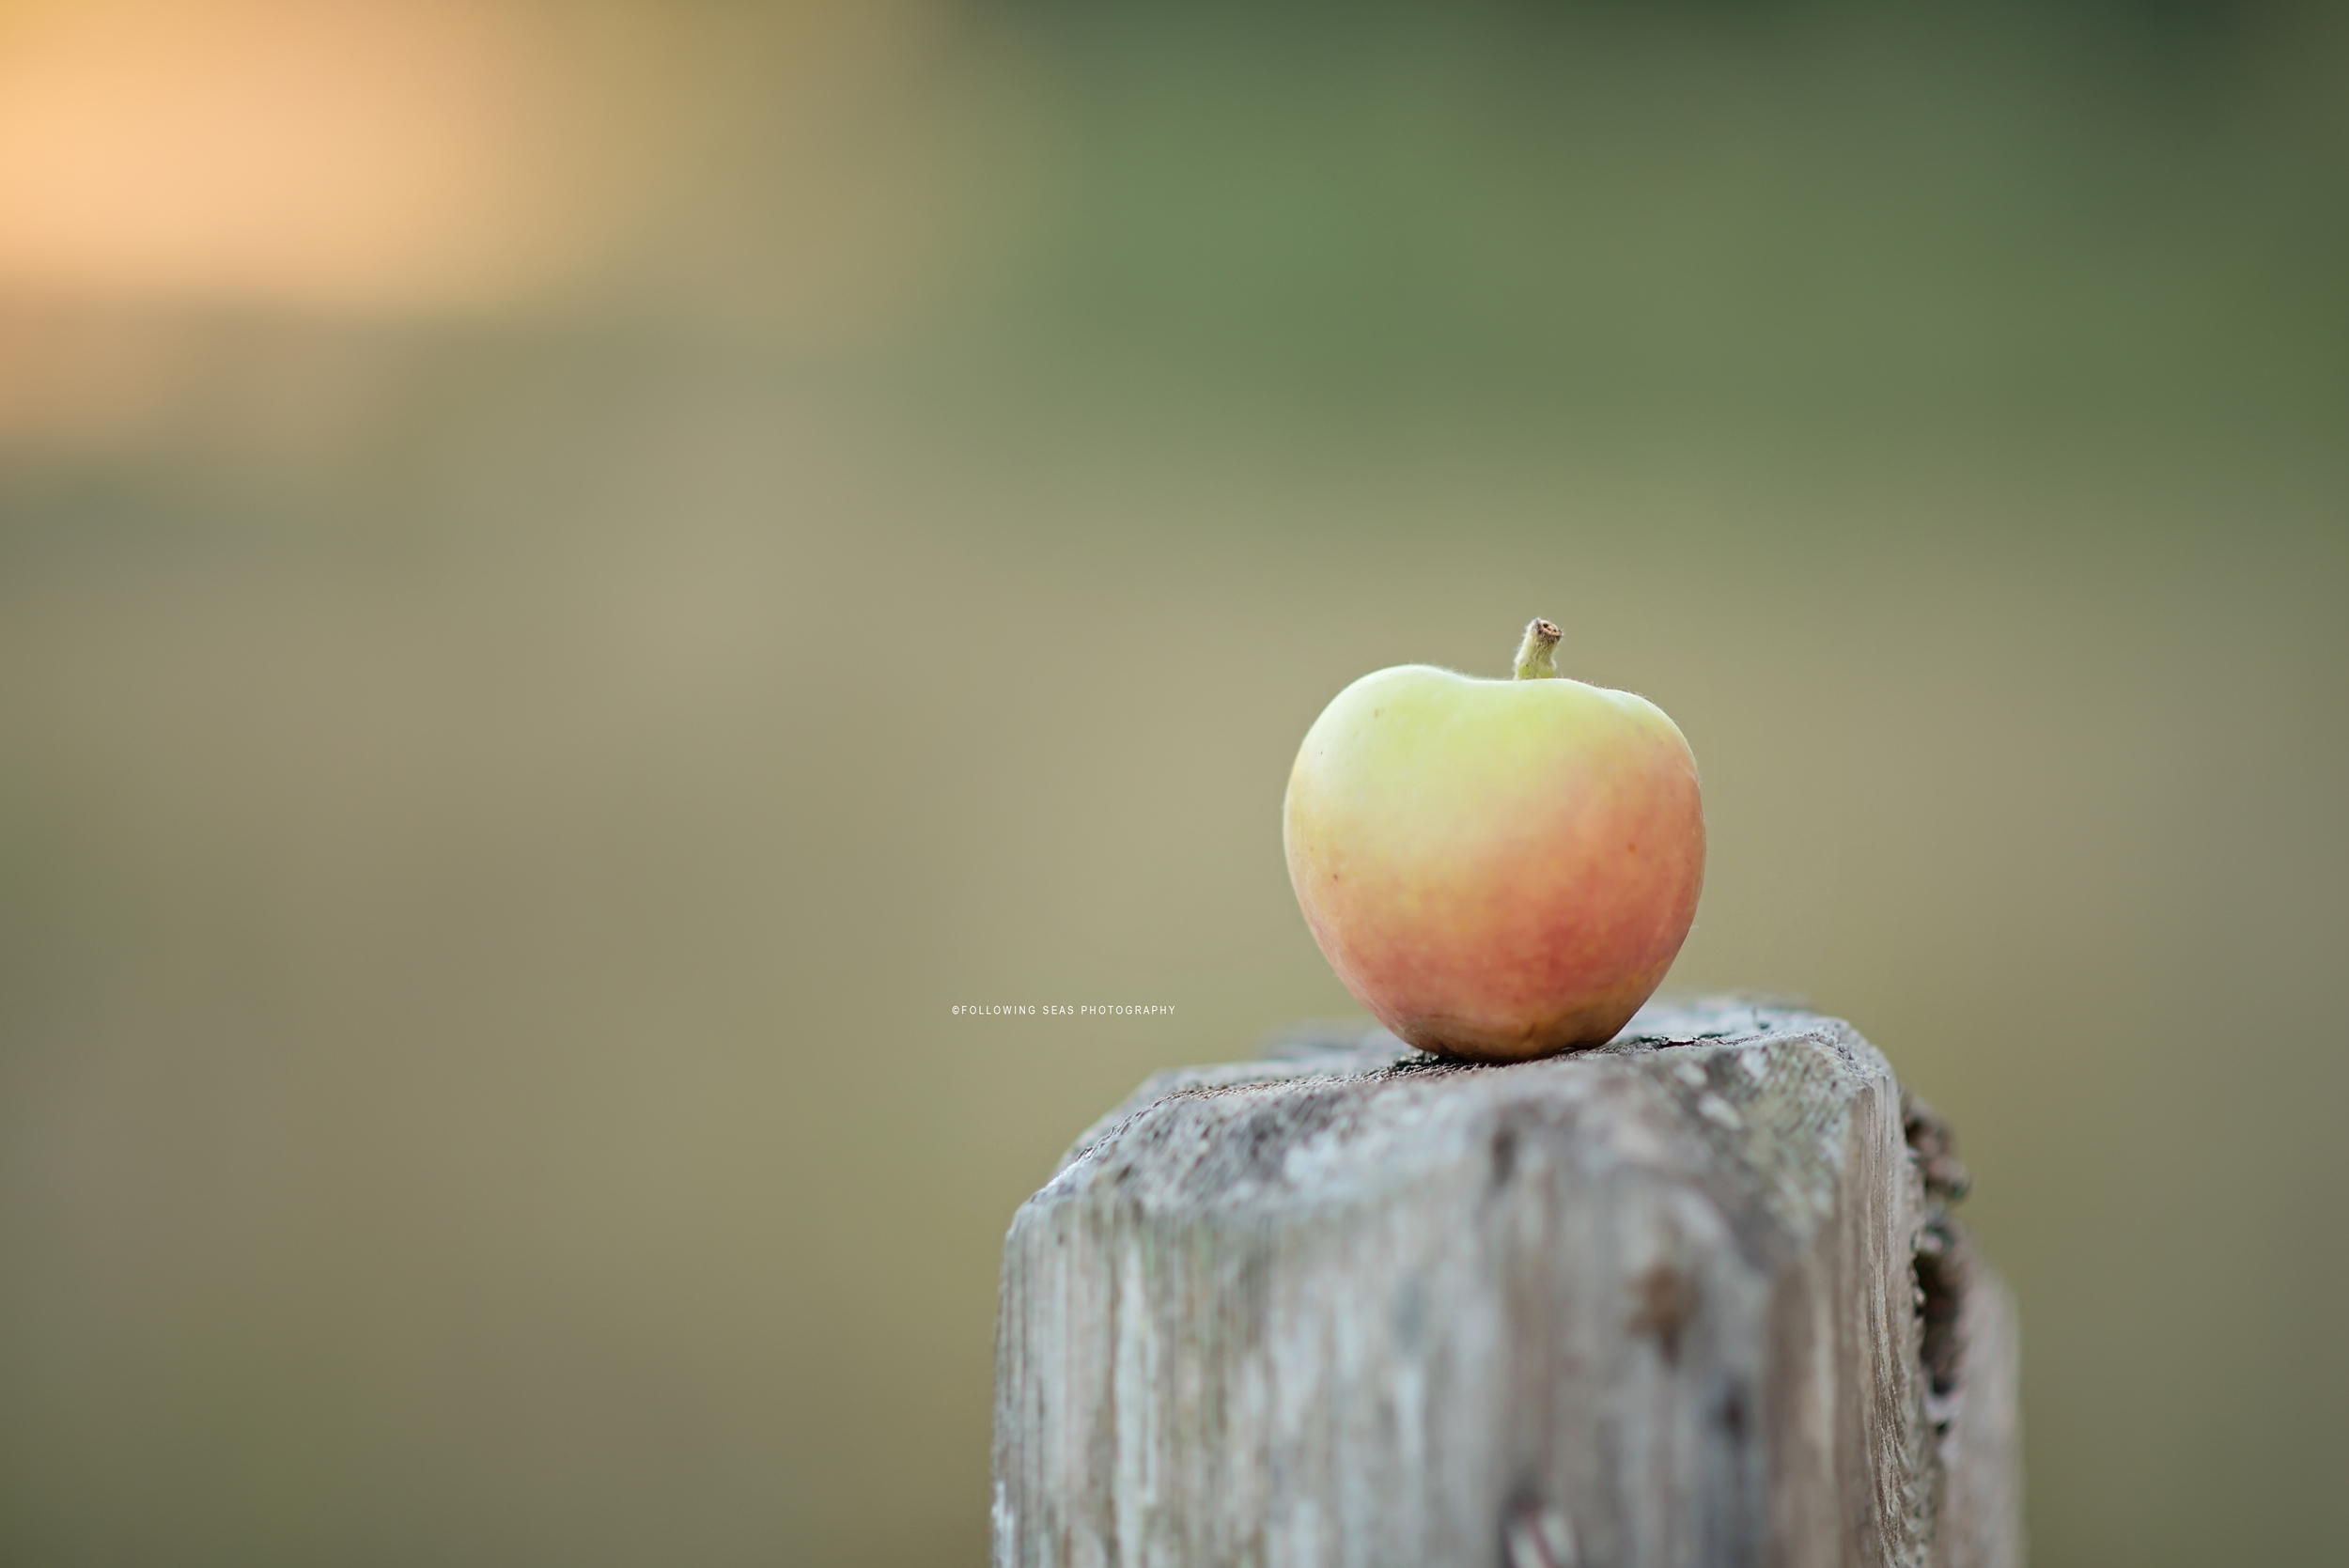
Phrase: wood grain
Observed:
(1694, 1297)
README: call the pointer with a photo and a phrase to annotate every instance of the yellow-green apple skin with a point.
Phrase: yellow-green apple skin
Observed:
(1497, 869)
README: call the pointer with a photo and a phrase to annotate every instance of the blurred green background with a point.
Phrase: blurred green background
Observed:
(573, 576)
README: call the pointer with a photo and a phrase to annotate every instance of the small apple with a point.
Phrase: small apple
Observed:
(1497, 869)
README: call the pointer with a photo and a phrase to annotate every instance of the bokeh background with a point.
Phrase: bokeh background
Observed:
(574, 575)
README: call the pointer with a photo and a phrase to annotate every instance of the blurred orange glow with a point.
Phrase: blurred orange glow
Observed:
(361, 154)
(813, 172)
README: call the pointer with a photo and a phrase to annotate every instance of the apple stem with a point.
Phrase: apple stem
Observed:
(1533, 655)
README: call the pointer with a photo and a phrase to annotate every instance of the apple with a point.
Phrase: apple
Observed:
(1497, 869)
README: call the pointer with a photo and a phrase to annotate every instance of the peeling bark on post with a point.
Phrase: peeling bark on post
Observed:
(1691, 1299)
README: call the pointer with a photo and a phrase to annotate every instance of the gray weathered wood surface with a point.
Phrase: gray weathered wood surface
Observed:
(1691, 1299)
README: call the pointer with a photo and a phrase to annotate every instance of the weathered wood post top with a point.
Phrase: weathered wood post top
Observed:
(1694, 1297)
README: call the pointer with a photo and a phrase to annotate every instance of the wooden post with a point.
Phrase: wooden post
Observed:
(1694, 1297)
